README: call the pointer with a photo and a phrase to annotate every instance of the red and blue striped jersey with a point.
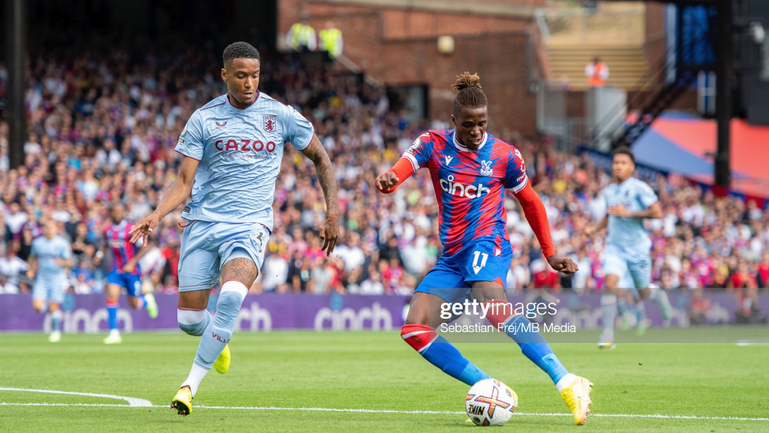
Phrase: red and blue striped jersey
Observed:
(123, 250)
(469, 186)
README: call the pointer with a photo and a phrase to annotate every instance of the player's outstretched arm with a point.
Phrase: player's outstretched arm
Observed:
(590, 231)
(654, 211)
(389, 181)
(325, 171)
(177, 193)
(537, 218)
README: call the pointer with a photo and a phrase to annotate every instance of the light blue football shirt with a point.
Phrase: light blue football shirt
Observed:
(240, 152)
(629, 234)
(47, 251)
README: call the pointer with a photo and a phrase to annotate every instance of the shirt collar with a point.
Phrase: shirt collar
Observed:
(463, 148)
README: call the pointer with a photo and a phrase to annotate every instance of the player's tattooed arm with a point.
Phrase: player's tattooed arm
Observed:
(325, 171)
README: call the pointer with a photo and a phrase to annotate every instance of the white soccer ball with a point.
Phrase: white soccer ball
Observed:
(490, 402)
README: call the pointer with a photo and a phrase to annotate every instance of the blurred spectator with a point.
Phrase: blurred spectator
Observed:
(6, 287)
(748, 310)
(331, 40)
(301, 36)
(597, 72)
(12, 266)
(373, 285)
(700, 308)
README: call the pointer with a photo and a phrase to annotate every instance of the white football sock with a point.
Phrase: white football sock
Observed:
(197, 373)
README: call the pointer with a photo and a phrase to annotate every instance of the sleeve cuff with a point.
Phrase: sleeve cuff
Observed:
(518, 188)
(300, 148)
(184, 154)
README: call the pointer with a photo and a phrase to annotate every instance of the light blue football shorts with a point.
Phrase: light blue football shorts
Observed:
(208, 246)
(639, 269)
(51, 288)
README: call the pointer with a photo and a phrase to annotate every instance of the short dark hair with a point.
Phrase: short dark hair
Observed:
(239, 50)
(470, 93)
(623, 150)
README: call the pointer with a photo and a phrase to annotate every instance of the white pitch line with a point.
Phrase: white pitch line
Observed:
(407, 412)
(135, 402)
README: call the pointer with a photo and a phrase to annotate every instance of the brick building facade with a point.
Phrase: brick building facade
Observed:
(395, 41)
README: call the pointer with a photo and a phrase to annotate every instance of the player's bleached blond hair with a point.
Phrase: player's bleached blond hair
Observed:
(470, 93)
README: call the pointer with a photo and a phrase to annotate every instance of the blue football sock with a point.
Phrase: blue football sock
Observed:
(442, 354)
(112, 315)
(56, 321)
(534, 347)
(219, 330)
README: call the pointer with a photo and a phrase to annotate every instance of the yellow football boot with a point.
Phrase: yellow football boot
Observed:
(222, 363)
(152, 305)
(577, 397)
(182, 402)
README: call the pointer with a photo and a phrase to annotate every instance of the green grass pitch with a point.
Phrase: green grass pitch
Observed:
(374, 371)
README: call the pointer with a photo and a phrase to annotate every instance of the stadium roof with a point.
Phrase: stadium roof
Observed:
(685, 144)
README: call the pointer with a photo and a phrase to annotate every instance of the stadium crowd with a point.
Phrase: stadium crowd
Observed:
(102, 129)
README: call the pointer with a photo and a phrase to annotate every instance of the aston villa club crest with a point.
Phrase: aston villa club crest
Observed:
(270, 123)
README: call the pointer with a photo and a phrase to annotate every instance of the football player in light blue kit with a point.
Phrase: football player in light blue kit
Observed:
(232, 148)
(629, 201)
(50, 256)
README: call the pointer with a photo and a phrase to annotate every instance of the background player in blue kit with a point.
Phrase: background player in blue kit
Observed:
(629, 201)
(471, 170)
(125, 273)
(49, 257)
(232, 147)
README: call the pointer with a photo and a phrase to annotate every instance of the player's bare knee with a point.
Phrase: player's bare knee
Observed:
(417, 320)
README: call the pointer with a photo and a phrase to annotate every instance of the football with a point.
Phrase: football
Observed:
(490, 402)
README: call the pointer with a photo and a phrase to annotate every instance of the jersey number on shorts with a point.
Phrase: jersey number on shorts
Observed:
(483, 256)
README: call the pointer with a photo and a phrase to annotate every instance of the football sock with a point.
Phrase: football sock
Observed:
(219, 330)
(565, 382)
(112, 314)
(142, 303)
(442, 354)
(193, 322)
(640, 311)
(623, 307)
(197, 373)
(56, 321)
(528, 338)
(609, 310)
(657, 295)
